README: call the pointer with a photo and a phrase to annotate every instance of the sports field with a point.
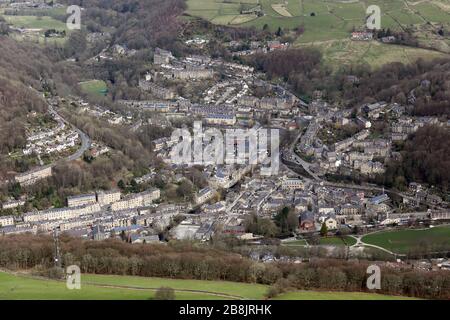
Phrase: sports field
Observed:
(103, 287)
(94, 87)
(404, 240)
(322, 19)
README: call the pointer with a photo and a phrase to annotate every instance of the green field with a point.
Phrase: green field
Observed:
(346, 52)
(34, 22)
(336, 241)
(40, 24)
(322, 19)
(242, 290)
(329, 295)
(18, 287)
(404, 240)
(106, 287)
(94, 87)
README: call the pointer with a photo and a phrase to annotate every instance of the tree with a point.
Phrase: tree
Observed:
(165, 293)
(121, 184)
(279, 32)
(286, 220)
(324, 229)
(185, 189)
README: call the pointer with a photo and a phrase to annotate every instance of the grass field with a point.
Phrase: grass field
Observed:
(34, 22)
(15, 287)
(41, 24)
(328, 295)
(336, 241)
(103, 287)
(295, 243)
(322, 19)
(346, 52)
(94, 87)
(402, 241)
(244, 290)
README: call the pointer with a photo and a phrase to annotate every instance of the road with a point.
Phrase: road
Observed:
(85, 140)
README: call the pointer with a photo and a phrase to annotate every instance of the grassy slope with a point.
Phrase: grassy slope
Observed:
(34, 22)
(245, 290)
(94, 87)
(402, 241)
(333, 20)
(20, 287)
(15, 287)
(328, 295)
(345, 52)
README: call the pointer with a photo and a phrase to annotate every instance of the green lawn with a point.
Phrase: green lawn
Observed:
(18, 287)
(244, 290)
(404, 240)
(329, 295)
(94, 87)
(34, 22)
(337, 241)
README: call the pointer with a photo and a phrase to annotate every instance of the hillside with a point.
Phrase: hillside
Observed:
(321, 19)
(98, 287)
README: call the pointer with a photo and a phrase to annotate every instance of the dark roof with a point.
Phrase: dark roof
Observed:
(307, 215)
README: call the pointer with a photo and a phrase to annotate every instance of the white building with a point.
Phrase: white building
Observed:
(137, 200)
(6, 221)
(81, 200)
(107, 197)
(204, 195)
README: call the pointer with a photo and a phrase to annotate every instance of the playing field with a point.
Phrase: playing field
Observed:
(329, 295)
(94, 87)
(404, 240)
(322, 19)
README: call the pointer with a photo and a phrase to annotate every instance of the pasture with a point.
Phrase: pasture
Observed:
(402, 241)
(321, 19)
(337, 53)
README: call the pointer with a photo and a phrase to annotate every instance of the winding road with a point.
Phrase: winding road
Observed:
(85, 140)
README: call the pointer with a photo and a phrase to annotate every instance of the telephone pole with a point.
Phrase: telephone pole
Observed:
(57, 257)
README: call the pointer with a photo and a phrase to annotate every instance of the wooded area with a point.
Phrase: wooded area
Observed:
(186, 260)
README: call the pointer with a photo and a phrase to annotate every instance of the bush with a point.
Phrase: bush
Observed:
(165, 293)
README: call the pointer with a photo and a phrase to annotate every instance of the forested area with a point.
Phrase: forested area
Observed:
(302, 68)
(17, 100)
(425, 158)
(188, 261)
